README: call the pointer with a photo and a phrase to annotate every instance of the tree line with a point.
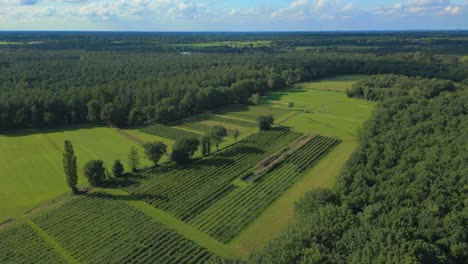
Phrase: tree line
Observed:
(182, 151)
(48, 89)
(401, 197)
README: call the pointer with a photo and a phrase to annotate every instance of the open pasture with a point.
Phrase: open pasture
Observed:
(32, 162)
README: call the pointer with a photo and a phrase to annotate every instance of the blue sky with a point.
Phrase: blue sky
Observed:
(230, 15)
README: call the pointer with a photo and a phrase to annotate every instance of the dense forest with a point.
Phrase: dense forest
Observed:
(55, 79)
(402, 196)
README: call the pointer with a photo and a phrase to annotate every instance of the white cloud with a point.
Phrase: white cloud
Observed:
(348, 7)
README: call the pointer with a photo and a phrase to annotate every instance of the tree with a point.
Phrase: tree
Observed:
(136, 116)
(217, 134)
(265, 122)
(184, 149)
(234, 134)
(94, 111)
(291, 105)
(133, 159)
(95, 172)
(275, 81)
(255, 98)
(118, 168)
(205, 143)
(69, 166)
(154, 151)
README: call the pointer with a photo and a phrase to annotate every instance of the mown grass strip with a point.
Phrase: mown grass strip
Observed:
(181, 227)
(50, 241)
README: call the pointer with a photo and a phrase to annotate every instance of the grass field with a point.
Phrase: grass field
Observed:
(207, 202)
(9, 43)
(31, 162)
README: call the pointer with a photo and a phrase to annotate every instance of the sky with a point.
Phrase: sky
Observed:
(233, 15)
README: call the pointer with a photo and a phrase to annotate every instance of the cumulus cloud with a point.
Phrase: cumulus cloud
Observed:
(421, 7)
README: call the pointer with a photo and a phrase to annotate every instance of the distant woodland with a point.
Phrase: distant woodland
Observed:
(131, 79)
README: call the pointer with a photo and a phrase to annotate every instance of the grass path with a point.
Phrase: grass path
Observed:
(271, 223)
(184, 229)
(49, 240)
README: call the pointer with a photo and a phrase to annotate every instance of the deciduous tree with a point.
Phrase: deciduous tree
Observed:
(154, 151)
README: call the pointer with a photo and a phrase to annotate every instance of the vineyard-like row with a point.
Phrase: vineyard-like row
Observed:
(97, 228)
(187, 191)
(253, 112)
(168, 132)
(19, 243)
(227, 217)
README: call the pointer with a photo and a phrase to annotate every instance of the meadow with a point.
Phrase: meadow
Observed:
(213, 206)
(31, 162)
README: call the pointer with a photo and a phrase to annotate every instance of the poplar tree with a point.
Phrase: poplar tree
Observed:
(69, 166)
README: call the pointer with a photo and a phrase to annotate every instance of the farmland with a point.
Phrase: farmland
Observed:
(138, 238)
(213, 198)
(37, 175)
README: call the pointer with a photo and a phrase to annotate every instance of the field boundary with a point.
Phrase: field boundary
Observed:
(49, 240)
(269, 225)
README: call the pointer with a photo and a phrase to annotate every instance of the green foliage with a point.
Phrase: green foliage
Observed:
(380, 87)
(217, 135)
(291, 105)
(95, 172)
(208, 180)
(184, 149)
(154, 151)
(118, 168)
(234, 133)
(133, 159)
(400, 197)
(205, 143)
(19, 243)
(92, 227)
(69, 166)
(94, 111)
(233, 212)
(255, 99)
(265, 122)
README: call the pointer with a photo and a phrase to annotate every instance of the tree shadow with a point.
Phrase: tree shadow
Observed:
(128, 179)
(278, 95)
(242, 150)
(60, 129)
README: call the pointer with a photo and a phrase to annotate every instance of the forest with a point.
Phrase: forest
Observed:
(279, 147)
(48, 87)
(401, 197)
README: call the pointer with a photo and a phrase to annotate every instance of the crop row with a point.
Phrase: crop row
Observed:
(19, 243)
(225, 219)
(187, 191)
(168, 132)
(97, 228)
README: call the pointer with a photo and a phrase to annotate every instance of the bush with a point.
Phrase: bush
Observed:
(118, 168)
(95, 172)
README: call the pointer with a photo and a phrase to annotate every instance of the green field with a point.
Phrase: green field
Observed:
(9, 43)
(212, 204)
(31, 163)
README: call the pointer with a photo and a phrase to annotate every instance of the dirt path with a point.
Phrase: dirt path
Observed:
(129, 136)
